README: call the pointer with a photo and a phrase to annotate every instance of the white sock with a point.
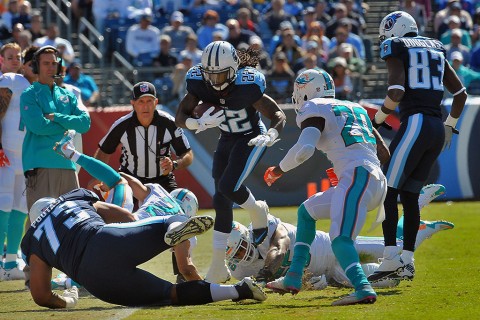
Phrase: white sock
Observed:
(223, 292)
(390, 252)
(250, 203)
(220, 241)
(259, 220)
(407, 256)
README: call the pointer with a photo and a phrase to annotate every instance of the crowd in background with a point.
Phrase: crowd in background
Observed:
(291, 35)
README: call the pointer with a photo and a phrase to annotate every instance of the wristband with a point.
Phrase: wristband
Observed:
(380, 116)
(451, 121)
(192, 124)
(389, 103)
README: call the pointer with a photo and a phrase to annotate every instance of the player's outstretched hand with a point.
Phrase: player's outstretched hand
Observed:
(267, 139)
(4, 162)
(71, 297)
(210, 119)
(449, 131)
(270, 177)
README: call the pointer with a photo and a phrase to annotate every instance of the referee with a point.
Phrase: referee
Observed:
(147, 136)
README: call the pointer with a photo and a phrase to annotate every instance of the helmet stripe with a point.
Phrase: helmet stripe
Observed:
(217, 60)
(210, 56)
(182, 194)
(327, 79)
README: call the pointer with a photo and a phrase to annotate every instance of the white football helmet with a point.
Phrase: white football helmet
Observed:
(397, 24)
(219, 64)
(38, 207)
(240, 248)
(312, 83)
(187, 201)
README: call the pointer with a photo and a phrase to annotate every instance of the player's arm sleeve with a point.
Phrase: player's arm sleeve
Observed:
(386, 49)
(32, 117)
(78, 120)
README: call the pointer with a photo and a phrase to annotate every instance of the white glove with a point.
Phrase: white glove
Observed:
(209, 120)
(319, 283)
(449, 131)
(268, 139)
(71, 297)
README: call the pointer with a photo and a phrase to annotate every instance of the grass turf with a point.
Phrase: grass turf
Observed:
(445, 285)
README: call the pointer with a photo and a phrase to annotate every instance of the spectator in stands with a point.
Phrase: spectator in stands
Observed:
(52, 39)
(165, 57)
(454, 23)
(289, 47)
(309, 61)
(191, 48)
(115, 10)
(264, 60)
(168, 7)
(178, 75)
(277, 38)
(340, 18)
(454, 8)
(475, 59)
(356, 65)
(355, 16)
(281, 76)
(237, 35)
(309, 15)
(36, 25)
(321, 9)
(293, 7)
(277, 15)
(210, 24)
(475, 33)
(341, 78)
(83, 9)
(11, 14)
(316, 28)
(343, 35)
(25, 39)
(84, 82)
(142, 41)
(455, 45)
(465, 74)
(244, 18)
(177, 31)
(24, 15)
(16, 30)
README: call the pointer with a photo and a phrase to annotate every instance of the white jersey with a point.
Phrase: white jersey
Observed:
(322, 260)
(347, 139)
(12, 132)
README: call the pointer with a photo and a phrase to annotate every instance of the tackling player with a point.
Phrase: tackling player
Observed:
(271, 259)
(418, 73)
(342, 130)
(233, 83)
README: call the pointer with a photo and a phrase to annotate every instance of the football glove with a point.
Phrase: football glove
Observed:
(71, 297)
(267, 139)
(332, 176)
(383, 124)
(270, 177)
(4, 162)
(449, 131)
(210, 120)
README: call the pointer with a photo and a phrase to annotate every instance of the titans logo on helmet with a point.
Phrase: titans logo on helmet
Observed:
(391, 20)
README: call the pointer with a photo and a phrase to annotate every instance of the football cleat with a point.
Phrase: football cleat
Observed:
(366, 295)
(190, 228)
(429, 193)
(65, 146)
(388, 268)
(407, 273)
(11, 274)
(278, 286)
(319, 282)
(428, 228)
(249, 289)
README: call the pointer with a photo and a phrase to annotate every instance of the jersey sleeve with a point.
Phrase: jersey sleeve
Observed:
(194, 81)
(253, 80)
(391, 48)
(309, 110)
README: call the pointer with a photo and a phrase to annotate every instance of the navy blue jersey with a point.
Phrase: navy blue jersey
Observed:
(241, 117)
(424, 63)
(61, 233)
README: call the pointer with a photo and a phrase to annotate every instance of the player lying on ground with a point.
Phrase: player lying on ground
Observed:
(271, 259)
(153, 199)
(71, 234)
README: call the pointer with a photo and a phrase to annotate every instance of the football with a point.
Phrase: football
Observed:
(200, 109)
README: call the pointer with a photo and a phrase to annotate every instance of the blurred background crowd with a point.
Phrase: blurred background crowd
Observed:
(103, 41)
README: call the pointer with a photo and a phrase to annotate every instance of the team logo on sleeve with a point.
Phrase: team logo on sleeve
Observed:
(385, 48)
(391, 20)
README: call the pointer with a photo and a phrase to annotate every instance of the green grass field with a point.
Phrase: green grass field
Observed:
(445, 286)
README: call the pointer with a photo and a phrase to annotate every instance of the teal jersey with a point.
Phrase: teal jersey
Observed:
(41, 134)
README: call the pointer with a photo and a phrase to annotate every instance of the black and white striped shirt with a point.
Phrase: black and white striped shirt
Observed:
(142, 147)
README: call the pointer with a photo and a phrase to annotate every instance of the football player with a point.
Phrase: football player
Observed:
(343, 131)
(418, 73)
(271, 259)
(225, 80)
